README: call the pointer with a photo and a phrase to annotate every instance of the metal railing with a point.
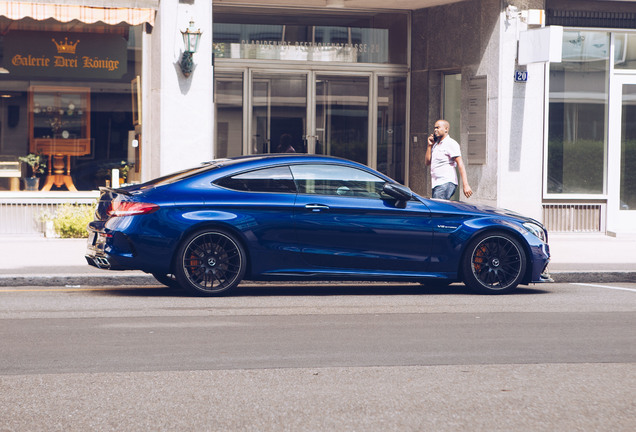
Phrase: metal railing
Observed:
(23, 215)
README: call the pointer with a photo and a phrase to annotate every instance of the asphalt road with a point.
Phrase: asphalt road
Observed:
(318, 357)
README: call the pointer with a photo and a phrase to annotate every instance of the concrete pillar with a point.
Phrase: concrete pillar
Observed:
(180, 108)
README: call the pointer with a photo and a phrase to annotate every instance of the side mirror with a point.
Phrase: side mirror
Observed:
(397, 191)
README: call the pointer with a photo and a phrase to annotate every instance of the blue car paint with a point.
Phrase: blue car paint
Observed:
(352, 238)
(457, 222)
(363, 233)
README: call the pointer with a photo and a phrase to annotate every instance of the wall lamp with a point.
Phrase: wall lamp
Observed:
(191, 38)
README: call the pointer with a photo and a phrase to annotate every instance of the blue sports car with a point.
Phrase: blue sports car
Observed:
(307, 217)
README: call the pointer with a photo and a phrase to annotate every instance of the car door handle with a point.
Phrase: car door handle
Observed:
(316, 207)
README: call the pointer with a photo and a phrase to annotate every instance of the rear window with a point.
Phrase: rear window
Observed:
(276, 179)
(180, 175)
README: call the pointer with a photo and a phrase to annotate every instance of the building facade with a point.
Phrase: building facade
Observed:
(95, 86)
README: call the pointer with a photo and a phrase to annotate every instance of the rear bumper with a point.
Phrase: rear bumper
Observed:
(101, 254)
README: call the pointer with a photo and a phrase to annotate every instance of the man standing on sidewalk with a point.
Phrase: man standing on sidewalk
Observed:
(443, 155)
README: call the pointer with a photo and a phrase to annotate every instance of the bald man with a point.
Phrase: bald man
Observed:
(443, 155)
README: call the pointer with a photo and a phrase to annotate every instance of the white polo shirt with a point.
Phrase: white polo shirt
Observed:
(443, 164)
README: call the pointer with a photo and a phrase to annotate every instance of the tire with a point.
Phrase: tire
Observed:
(168, 280)
(494, 263)
(210, 262)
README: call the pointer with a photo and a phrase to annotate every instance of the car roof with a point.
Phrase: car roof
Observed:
(265, 160)
(280, 157)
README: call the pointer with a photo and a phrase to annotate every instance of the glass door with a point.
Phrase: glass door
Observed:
(622, 157)
(391, 126)
(358, 116)
(342, 116)
(228, 106)
(278, 120)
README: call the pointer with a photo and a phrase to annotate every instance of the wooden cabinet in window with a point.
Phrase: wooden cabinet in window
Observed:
(59, 127)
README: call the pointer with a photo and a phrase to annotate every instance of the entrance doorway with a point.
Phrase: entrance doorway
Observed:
(311, 111)
(278, 120)
(342, 117)
(621, 200)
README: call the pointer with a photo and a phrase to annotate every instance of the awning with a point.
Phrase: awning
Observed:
(87, 14)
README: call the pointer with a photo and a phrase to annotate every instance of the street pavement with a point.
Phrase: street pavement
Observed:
(43, 261)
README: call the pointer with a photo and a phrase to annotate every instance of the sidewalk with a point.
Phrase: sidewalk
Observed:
(41, 261)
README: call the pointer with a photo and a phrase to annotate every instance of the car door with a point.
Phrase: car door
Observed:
(260, 203)
(344, 221)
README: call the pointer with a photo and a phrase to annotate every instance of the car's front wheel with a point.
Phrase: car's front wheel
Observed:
(210, 262)
(494, 263)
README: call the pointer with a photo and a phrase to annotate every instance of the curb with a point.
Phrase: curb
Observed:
(9, 280)
(594, 277)
(76, 280)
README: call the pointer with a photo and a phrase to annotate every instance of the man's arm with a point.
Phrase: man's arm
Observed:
(431, 141)
(462, 173)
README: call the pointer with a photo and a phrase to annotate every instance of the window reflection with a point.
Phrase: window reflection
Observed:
(336, 180)
(279, 113)
(625, 51)
(228, 99)
(356, 38)
(342, 117)
(578, 103)
(391, 126)
(628, 149)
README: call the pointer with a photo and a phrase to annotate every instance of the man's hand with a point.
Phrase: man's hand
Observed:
(468, 192)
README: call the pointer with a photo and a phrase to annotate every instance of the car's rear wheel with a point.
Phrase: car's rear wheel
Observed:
(494, 263)
(210, 262)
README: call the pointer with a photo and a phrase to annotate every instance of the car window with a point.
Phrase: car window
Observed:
(180, 175)
(277, 179)
(336, 180)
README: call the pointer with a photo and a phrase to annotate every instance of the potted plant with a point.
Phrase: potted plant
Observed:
(124, 170)
(37, 164)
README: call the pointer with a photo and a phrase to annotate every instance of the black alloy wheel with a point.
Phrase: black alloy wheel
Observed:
(495, 263)
(210, 263)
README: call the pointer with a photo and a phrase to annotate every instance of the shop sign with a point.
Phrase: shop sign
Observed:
(65, 55)
(304, 51)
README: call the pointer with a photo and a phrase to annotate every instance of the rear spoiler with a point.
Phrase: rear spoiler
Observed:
(113, 191)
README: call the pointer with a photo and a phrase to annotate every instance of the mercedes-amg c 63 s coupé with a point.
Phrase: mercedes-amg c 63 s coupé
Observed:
(307, 217)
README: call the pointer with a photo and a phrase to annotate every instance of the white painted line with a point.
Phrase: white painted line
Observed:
(605, 286)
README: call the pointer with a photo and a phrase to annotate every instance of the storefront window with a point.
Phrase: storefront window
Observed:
(577, 112)
(332, 37)
(70, 93)
(625, 51)
(628, 149)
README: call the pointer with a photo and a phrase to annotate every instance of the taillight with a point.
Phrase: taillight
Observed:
(130, 208)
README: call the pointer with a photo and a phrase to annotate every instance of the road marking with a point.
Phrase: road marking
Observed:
(605, 286)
